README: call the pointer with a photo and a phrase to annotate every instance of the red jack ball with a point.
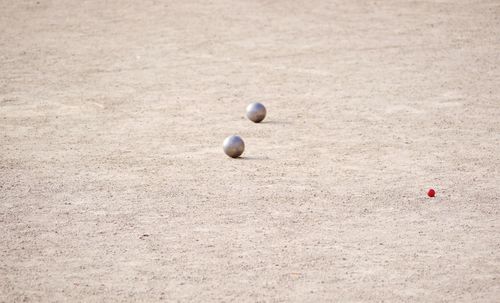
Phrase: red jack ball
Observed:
(431, 193)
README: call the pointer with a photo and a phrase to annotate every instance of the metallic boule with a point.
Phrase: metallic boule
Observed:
(256, 112)
(233, 146)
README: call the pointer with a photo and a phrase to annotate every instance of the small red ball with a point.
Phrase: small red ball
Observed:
(431, 193)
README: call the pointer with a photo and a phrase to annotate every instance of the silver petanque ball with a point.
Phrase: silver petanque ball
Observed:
(256, 112)
(233, 146)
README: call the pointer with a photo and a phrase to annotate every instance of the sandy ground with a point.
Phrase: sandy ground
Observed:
(114, 186)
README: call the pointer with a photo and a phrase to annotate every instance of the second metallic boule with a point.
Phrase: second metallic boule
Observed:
(256, 112)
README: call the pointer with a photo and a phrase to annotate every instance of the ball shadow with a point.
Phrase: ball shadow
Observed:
(251, 158)
(275, 122)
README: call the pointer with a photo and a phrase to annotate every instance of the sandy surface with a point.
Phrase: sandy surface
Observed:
(114, 186)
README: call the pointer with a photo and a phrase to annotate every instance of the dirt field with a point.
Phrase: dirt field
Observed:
(114, 186)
